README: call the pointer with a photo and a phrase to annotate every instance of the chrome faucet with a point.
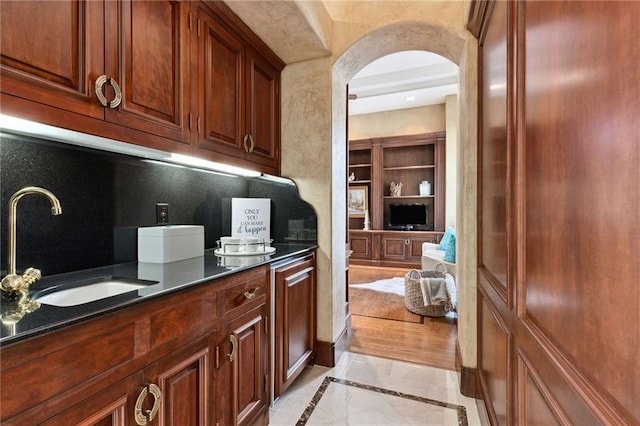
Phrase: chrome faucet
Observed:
(13, 283)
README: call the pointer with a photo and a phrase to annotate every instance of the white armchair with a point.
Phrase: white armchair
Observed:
(431, 256)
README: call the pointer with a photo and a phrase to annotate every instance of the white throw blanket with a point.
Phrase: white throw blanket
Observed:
(434, 291)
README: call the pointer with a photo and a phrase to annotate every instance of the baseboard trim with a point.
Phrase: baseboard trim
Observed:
(466, 377)
(327, 353)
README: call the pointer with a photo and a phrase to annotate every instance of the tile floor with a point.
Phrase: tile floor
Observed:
(367, 390)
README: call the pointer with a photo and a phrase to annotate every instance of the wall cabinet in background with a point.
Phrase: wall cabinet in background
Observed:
(361, 243)
(402, 249)
(376, 163)
(410, 160)
(404, 246)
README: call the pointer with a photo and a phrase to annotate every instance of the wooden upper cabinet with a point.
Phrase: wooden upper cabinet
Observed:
(147, 53)
(239, 96)
(180, 76)
(262, 111)
(52, 53)
(220, 97)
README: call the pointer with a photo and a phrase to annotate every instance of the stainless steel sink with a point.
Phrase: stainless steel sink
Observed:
(89, 291)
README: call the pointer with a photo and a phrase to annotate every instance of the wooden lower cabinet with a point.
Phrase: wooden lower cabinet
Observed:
(295, 321)
(247, 367)
(111, 407)
(185, 383)
(361, 245)
(93, 373)
(389, 248)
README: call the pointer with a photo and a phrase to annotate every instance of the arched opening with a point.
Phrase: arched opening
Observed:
(401, 125)
(420, 36)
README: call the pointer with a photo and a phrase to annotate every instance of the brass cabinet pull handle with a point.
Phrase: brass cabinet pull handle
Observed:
(407, 242)
(251, 294)
(144, 417)
(234, 348)
(253, 145)
(116, 101)
(245, 142)
(100, 82)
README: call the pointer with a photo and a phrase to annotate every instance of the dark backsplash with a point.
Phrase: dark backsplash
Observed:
(106, 196)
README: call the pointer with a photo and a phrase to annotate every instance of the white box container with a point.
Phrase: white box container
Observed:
(164, 244)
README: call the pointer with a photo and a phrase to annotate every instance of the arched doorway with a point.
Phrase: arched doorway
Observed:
(399, 97)
(422, 36)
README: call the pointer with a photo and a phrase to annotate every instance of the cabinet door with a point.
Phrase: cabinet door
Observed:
(52, 52)
(221, 91)
(262, 111)
(186, 382)
(361, 246)
(395, 247)
(247, 360)
(147, 53)
(294, 321)
(414, 252)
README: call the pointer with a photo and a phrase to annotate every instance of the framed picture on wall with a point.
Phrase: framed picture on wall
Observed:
(358, 200)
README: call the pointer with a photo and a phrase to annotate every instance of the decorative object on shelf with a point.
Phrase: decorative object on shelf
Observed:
(395, 189)
(352, 177)
(425, 187)
(367, 222)
(358, 201)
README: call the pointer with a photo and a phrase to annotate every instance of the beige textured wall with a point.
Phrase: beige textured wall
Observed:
(452, 117)
(409, 121)
(307, 158)
(467, 196)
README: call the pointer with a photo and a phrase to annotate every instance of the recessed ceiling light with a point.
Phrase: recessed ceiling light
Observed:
(411, 98)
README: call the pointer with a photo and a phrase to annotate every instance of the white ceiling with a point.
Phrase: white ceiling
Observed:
(402, 80)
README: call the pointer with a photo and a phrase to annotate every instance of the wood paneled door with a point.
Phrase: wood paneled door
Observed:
(295, 321)
(558, 290)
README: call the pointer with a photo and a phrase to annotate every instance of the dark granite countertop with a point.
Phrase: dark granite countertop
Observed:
(170, 277)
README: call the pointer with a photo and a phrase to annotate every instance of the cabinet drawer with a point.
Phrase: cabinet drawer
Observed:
(180, 323)
(244, 294)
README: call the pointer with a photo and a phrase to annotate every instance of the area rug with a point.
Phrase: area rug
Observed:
(381, 299)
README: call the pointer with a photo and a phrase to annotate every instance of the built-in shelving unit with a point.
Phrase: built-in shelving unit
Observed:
(375, 163)
(410, 160)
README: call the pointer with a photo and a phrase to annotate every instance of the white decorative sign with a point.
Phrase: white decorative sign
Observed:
(251, 217)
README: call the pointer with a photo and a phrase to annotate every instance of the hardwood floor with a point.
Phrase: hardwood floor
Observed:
(431, 343)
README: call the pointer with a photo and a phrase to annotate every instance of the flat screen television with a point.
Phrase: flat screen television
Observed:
(408, 216)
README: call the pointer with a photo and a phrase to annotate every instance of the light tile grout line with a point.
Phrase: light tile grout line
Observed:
(304, 418)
